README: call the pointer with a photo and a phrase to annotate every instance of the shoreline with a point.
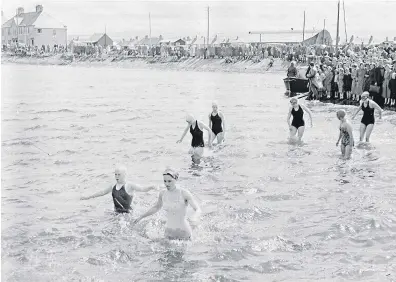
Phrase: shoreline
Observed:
(160, 63)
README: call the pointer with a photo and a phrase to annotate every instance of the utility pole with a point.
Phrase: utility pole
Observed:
(338, 27)
(150, 28)
(208, 31)
(304, 27)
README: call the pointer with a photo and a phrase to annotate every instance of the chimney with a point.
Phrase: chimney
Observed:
(39, 8)
(137, 37)
(20, 11)
(146, 37)
(160, 37)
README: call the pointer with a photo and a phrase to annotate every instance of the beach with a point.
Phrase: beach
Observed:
(160, 63)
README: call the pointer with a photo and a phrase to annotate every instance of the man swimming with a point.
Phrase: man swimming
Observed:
(174, 201)
(122, 192)
(217, 123)
(197, 143)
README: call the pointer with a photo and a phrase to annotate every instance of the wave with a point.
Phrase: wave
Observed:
(88, 116)
(117, 110)
(56, 111)
(62, 162)
(35, 127)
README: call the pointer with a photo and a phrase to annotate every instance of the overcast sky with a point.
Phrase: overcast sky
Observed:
(227, 18)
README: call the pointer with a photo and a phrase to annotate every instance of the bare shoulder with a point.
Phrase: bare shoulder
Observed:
(187, 194)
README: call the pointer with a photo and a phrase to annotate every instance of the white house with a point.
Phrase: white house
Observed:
(34, 29)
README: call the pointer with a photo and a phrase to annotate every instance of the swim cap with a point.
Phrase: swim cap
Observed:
(365, 93)
(121, 169)
(293, 100)
(341, 113)
(189, 117)
(171, 172)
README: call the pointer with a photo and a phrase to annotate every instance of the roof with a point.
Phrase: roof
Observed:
(147, 41)
(38, 19)
(44, 20)
(96, 37)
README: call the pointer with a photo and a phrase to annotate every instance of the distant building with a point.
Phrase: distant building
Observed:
(100, 39)
(34, 29)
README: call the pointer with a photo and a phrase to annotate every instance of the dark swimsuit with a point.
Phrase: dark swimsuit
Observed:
(216, 123)
(197, 136)
(298, 119)
(368, 115)
(122, 200)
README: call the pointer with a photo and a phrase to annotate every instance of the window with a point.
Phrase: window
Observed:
(39, 30)
(54, 32)
(9, 31)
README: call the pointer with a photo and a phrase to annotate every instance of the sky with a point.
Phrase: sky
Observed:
(172, 19)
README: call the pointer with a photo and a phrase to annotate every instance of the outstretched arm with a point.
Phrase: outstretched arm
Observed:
(190, 200)
(357, 111)
(137, 187)
(209, 132)
(223, 120)
(350, 132)
(151, 211)
(308, 111)
(378, 108)
(339, 138)
(288, 117)
(99, 193)
(184, 134)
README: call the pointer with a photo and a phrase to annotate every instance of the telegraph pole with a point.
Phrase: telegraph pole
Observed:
(208, 30)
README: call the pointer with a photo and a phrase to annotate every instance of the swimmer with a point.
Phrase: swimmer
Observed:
(197, 142)
(217, 123)
(346, 135)
(298, 123)
(122, 192)
(175, 201)
(367, 123)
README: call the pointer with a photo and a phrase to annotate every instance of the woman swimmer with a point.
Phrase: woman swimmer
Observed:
(367, 123)
(197, 144)
(122, 192)
(217, 123)
(346, 135)
(175, 202)
(298, 123)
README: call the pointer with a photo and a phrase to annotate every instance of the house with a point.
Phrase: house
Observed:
(33, 29)
(100, 39)
(153, 41)
(173, 42)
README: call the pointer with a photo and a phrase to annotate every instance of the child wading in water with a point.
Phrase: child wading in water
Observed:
(122, 192)
(346, 135)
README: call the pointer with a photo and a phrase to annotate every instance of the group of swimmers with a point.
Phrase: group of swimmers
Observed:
(175, 200)
(216, 130)
(368, 107)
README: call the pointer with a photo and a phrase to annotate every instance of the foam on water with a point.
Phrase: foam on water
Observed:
(272, 209)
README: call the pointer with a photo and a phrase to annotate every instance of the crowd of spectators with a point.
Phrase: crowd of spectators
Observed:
(345, 75)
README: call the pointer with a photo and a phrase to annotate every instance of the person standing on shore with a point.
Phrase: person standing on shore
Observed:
(217, 123)
(346, 135)
(298, 124)
(122, 192)
(175, 201)
(367, 123)
(197, 143)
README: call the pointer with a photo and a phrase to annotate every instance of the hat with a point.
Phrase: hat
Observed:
(171, 172)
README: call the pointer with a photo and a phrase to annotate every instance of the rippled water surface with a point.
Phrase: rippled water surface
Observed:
(272, 211)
